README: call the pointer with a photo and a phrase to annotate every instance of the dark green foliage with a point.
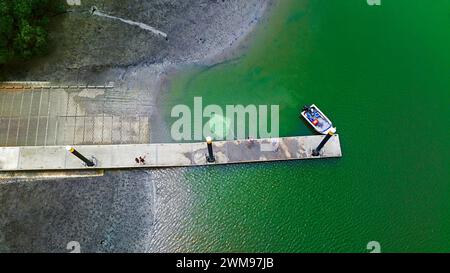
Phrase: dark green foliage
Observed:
(23, 26)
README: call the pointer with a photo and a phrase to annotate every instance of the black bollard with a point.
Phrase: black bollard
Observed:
(86, 161)
(316, 151)
(210, 157)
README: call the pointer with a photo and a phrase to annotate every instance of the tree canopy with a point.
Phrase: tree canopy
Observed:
(23, 27)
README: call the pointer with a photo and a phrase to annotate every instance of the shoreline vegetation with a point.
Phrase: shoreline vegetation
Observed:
(24, 28)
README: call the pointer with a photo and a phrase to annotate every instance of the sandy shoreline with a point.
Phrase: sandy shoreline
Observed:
(237, 47)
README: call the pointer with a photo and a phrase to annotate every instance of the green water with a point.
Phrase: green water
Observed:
(382, 74)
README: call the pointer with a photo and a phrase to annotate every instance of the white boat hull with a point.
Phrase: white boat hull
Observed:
(318, 120)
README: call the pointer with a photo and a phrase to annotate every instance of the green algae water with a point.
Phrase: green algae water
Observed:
(382, 75)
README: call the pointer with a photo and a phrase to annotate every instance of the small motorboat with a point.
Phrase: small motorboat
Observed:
(317, 119)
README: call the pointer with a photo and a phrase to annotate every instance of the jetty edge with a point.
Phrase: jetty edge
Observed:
(129, 156)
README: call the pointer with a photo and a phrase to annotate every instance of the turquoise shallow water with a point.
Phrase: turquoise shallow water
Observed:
(382, 74)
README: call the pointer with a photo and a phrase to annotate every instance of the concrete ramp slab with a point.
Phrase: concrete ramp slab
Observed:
(9, 158)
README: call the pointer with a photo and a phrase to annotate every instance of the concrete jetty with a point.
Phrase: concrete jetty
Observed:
(35, 158)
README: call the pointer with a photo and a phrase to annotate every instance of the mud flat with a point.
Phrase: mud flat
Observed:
(85, 46)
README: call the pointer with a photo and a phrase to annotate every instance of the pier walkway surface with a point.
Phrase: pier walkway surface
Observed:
(29, 158)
